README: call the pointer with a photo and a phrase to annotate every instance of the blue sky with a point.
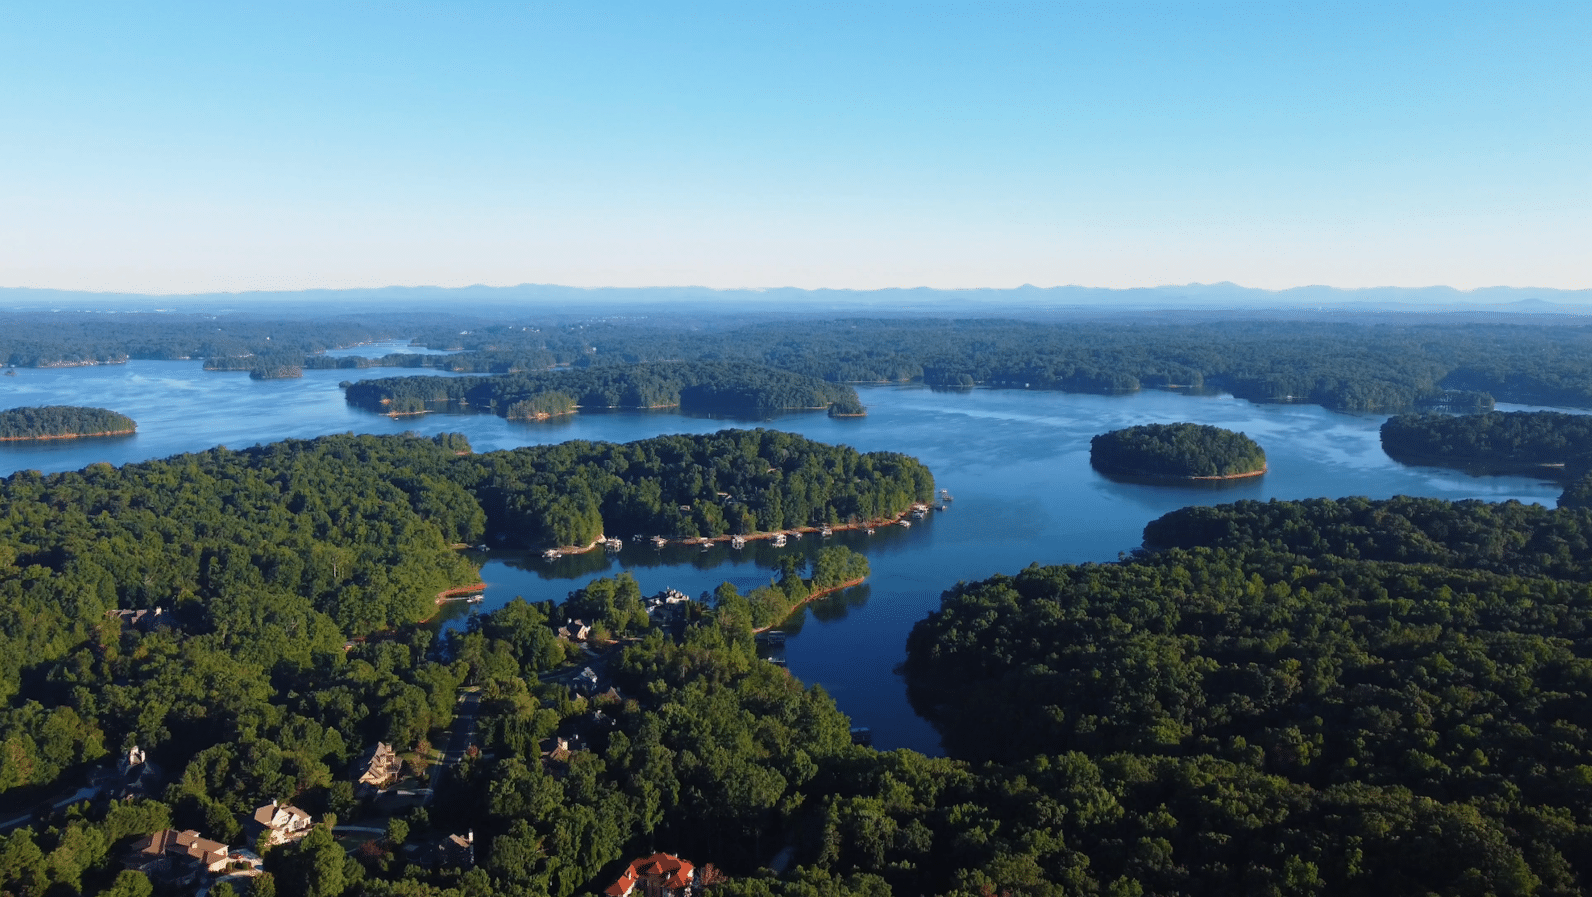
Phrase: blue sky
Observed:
(218, 146)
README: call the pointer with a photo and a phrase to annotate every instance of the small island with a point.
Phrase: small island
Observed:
(62, 422)
(1177, 451)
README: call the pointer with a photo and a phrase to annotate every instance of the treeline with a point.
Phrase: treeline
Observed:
(1578, 494)
(270, 366)
(1347, 697)
(46, 421)
(704, 388)
(1496, 439)
(1342, 366)
(1347, 366)
(1508, 538)
(72, 338)
(1176, 450)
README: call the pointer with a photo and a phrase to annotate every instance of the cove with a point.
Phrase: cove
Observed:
(1016, 462)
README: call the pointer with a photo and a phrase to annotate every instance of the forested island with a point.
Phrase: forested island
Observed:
(1547, 442)
(747, 390)
(1177, 451)
(1335, 697)
(62, 422)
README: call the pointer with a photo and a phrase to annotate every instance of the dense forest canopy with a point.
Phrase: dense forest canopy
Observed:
(1366, 697)
(1396, 365)
(66, 338)
(708, 388)
(1508, 538)
(1390, 366)
(1326, 697)
(1306, 698)
(345, 535)
(55, 421)
(730, 482)
(1176, 450)
(248, 689)
(1498, 438)
(1578, 494)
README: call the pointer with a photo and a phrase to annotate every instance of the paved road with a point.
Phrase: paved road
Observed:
(460, 736)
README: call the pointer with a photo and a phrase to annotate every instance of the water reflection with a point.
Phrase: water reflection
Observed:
(1234, 484)
(832, 608)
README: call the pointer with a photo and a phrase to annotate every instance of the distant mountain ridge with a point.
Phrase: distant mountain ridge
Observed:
(957, 302)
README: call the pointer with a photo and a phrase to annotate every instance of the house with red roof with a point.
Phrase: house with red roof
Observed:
(660, 875)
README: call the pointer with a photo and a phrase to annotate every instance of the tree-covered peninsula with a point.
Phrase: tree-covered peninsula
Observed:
(1177, 451)
(739, 389)
(734, 482)
(345, 535)
(62, 422)
(1499, 440)
(1334, 697)
(287, 579)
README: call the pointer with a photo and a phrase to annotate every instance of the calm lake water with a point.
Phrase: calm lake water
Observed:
(1017, 463)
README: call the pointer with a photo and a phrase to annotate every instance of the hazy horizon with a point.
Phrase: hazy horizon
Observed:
(702, 304)
(1219, 288)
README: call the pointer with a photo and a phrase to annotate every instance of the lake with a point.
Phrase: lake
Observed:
(1016, 462)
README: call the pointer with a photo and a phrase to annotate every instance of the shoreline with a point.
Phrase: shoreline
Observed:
(1179, 478)
(543, 416)
(822, 593)
(1232, 476)
(1487, 467)
(458, 593)
(68, 436)
(750, 537)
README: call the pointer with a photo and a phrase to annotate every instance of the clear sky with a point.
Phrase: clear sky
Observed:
(155, 147)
